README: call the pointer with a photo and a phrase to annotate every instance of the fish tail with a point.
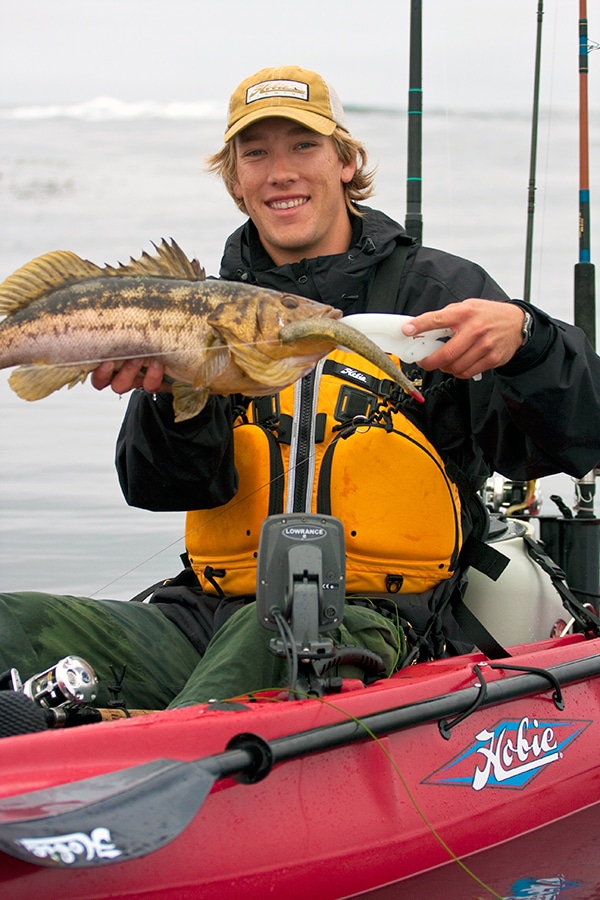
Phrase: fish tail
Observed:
(41, 276)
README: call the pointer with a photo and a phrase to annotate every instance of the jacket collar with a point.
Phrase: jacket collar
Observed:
(342, 279)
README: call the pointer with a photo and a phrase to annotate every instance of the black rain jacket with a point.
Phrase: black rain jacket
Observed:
(536, 416)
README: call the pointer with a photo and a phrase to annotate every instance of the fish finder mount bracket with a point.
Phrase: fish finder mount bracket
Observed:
(300, 592)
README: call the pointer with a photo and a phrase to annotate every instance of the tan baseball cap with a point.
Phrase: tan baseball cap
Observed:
(289, 92)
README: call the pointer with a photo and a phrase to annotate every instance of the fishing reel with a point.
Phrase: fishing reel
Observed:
(55, 698)
(501, 495)
(59, 697)
(71, 682)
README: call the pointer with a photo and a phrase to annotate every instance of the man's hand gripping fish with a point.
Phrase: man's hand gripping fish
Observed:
(65, 315)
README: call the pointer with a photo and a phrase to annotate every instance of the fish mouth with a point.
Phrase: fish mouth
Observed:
(315, 340)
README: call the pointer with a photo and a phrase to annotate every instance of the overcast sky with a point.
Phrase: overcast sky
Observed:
(477, 53)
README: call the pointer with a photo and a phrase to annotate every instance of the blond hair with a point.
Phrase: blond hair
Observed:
(224, 164)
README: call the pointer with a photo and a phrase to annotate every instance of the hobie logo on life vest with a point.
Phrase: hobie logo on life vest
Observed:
(509, 754)
(354, 374)
(304, 532)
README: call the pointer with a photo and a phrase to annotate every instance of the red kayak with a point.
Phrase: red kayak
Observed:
(457, 778)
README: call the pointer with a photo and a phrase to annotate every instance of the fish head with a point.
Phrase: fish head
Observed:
(272, 317)
(251, 326)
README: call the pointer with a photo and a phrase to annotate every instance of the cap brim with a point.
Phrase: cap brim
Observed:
(320, 124)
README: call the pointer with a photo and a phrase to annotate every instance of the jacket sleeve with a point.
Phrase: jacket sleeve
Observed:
(164, 466)
(536, 416)
(549, 394)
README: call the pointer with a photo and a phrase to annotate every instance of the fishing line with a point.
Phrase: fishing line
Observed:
(176, 350)
(416, 806)
(221, 511)
(431, 828)
(433, 831)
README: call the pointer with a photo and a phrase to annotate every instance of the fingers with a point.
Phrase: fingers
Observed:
(487, 334)
(154, 377)
(133, 373)
(102, 375)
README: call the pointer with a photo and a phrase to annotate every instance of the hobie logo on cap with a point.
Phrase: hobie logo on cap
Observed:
(297, 90)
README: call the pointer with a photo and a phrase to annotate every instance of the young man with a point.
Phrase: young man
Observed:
(402, 485)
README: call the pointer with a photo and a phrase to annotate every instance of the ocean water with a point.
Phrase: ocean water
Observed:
(105, 179)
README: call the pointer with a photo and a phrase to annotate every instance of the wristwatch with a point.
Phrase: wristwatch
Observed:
(527, 328)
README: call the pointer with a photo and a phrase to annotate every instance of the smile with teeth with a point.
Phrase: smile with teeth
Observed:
(288, 204)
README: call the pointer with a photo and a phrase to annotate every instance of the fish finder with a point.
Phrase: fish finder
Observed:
(301, 581)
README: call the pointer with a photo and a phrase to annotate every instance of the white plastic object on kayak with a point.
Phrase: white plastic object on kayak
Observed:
(522, 605)
(385, 330)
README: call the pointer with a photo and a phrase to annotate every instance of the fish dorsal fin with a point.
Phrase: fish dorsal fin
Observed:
(41, 276)
(60, 268)
(170, 262)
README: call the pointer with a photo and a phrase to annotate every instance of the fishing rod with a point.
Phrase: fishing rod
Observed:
(585, 314)
(533, 156)
(522, 497)
(518, 497)
(585, 300)
(575, 540)
(584, 281)
(413, 221)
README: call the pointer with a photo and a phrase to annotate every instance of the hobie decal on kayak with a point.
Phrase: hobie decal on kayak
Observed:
(72, 848)
(509, 754)
(547, 888)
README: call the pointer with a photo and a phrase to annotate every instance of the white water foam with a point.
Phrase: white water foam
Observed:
(111, 109)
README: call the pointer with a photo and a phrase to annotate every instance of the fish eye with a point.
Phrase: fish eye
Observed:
(289, 302)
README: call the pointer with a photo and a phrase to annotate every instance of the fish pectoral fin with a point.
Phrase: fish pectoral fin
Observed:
(36, 382)
(188, 401)
(217, 359)
(275, 372)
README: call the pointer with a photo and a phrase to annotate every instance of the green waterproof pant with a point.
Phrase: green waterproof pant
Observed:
(238, 659)
(36, 630)
(163, 668)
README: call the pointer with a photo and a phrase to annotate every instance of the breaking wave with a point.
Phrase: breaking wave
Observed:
(106, 109)
(111, 109)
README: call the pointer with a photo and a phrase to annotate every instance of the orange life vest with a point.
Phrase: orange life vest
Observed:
(297, 451)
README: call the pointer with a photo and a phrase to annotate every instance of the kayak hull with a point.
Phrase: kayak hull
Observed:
(507, 797)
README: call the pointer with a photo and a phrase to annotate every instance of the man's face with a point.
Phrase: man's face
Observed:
(291, 181)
